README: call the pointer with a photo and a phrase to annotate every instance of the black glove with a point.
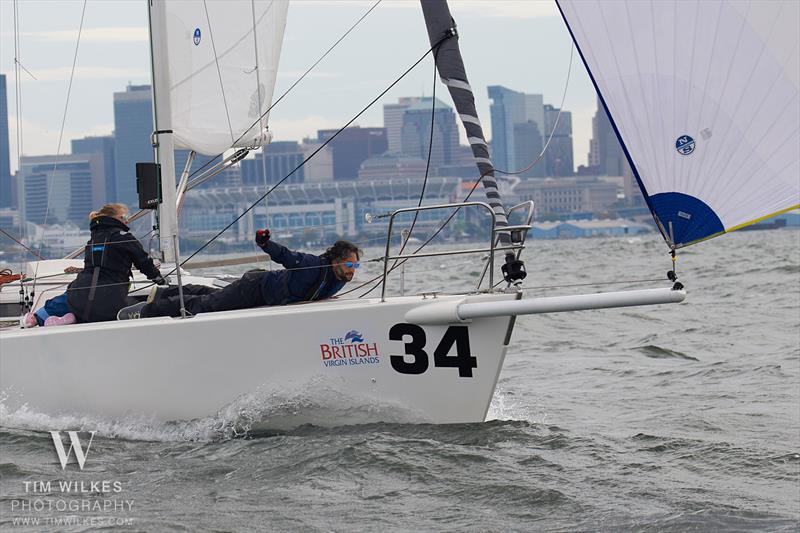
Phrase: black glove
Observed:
(262, 237)
(161, 280)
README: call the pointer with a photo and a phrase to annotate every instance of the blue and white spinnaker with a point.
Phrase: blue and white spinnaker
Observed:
(704, 98)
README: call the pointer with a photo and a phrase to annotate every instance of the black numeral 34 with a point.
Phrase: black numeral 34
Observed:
(455, 335)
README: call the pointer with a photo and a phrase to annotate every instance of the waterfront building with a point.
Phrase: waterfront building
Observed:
(60, 188)
(567, 195)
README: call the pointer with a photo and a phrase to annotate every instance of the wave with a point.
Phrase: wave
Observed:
(268, 410)
(657, 352)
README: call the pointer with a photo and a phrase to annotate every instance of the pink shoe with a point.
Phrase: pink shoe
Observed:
(65, 320)
(29, 321)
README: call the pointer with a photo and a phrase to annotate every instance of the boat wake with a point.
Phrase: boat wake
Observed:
(271, 410)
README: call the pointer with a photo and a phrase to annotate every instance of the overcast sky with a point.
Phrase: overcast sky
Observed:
(522, 45)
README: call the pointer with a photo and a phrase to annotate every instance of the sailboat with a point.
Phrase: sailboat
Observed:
(708, 157)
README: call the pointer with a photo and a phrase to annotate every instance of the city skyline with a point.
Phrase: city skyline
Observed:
(111, 56)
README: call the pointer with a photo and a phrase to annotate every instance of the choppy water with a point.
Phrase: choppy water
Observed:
(682, 417)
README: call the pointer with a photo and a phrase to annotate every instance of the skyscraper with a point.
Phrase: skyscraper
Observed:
(559, 155)
(416, 132)
(133, 126)
(508, 109)
(6, 198)
(393, 121)
(605, 153)
(352, 147)
(104, 147)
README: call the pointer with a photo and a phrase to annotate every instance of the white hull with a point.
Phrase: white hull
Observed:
(170, 369)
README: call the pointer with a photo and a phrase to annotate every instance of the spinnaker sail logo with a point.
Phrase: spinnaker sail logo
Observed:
(684, 145)
(196, 37)
(349, 350)
(74, 444)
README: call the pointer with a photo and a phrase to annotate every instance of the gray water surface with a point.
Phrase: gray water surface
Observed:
(672, 418)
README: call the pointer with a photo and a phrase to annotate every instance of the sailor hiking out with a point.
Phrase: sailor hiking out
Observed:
(306, 278)
(101, 288)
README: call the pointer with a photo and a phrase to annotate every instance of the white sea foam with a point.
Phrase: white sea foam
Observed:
(268, 409)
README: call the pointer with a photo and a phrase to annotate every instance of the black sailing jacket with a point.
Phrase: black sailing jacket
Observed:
(110, 253)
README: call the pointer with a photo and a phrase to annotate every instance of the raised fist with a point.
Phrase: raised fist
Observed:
(262, 237)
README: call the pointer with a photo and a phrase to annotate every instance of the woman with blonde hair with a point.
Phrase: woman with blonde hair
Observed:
(101, 288)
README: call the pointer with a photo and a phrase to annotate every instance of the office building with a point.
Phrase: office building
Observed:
(104, 147)
(61, 188)
(509, 109)
(559, 155)
(6, 198)
(352, 147)
(415, 139)
(393, 121)
(606, 157)
(133, 127)
(278, 159)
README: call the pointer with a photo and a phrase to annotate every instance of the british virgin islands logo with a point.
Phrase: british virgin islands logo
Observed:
(349, 350)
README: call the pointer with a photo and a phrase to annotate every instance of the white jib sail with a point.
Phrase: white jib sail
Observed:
(704, 95)
(223, 60)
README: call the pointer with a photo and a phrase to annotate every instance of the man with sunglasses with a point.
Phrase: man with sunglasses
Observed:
(305, 278)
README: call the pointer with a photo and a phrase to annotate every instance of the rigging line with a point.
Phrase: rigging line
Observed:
(26, 70)
(260, 121)
(32, 251)
(480, 178)
(61, 134)
(298, 80)
(427, 170)
(18, 110)
(219, 73)
(315, 152)
(555, 124)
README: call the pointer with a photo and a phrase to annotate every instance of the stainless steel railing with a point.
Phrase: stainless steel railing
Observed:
(492, 238)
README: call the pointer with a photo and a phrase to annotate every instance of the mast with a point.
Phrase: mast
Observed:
(163, 136)
(447, 55)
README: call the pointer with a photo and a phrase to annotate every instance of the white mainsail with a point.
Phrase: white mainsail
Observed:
(223, 61)
(704, 97)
